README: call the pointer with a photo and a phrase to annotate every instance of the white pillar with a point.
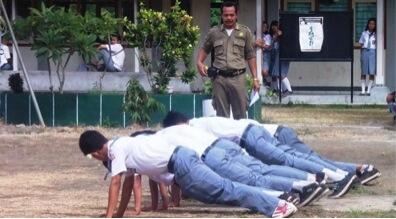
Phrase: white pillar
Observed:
(136, 51)
(14, 56)
(259, 51)
(380, 78)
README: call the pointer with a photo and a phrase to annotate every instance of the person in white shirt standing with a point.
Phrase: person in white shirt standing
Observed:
(4, 57)
(112, 55)
(368, 55)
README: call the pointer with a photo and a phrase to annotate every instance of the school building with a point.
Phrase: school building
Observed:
(304, 76)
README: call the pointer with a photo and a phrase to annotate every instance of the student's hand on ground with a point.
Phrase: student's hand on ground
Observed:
(135, 212)
(164, 207)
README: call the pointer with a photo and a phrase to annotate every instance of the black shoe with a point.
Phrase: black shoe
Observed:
(367, 94)
(342, 187)
(320, 178)
(362, 94)
(368, 174)
(309, 193)
(324, 192)
(290, 197)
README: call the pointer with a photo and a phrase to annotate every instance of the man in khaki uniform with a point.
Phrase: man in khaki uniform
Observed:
(233, 45)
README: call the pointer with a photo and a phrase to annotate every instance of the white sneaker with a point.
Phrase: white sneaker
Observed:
(284, 209)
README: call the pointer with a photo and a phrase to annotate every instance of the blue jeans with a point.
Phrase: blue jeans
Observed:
(223, 157)
(259, 143)
(6, 67)
(107, 60)
(198, 181)
(287, 136)
(260, 167)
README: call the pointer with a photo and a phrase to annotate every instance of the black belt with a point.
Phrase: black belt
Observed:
(208, 149)
(242, 143)
(231, 73)
(171, 162)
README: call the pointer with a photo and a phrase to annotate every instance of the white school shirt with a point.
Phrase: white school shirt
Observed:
(224, 127)
(4, 54)
(189, 137)
(144, 154)
(117, 55)
(267, 39)
(368, 41)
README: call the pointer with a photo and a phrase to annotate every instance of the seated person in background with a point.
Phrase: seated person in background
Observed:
(390, 99)
(111, 58)
(5, 56)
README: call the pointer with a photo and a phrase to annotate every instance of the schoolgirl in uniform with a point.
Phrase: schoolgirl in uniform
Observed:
(265, 44)
(276, 34)
(368, 55)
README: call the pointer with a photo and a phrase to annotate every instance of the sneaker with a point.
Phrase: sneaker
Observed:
(321, 178)
(342, 187)
(367, 94)
(284, 209)
(368, 174)
(362, 94)
(324, 192)
(290, 197)
(287, 93)
(309, 193)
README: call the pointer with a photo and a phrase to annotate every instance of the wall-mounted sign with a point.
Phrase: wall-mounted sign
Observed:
(311, 34)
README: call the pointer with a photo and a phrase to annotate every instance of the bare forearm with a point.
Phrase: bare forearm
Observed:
(154, 194)
(125, 195)
(253, 67)
(137, 193)
(113, 195)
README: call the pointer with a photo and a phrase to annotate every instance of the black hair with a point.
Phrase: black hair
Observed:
(91, 141)
(173, 118)
(375, 21)
(265, 22)
(273, 23)
(228, 4)
(143, 132)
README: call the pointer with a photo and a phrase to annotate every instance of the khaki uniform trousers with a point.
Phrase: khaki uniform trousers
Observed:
(230, 91)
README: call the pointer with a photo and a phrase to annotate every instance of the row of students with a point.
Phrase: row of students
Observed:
(204, 157)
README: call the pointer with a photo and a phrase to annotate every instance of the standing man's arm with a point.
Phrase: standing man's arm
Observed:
(114, 190)
(207, 46)
(126, 194)
(200, 65)
(253, 70)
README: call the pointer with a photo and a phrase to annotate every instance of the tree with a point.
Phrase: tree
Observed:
(58, 34)
(171, 38)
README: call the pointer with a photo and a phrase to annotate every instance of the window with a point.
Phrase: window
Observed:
(333, 5)
(363, 11)
(300, 7)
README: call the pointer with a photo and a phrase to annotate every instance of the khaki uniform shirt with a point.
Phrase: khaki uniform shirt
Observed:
(231, 52)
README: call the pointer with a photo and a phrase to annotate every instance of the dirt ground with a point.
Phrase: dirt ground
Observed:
(43, 173)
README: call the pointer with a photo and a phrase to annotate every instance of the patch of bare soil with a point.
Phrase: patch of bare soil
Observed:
(43, 173)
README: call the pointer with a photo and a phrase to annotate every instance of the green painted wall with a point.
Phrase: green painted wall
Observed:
(70, 109)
